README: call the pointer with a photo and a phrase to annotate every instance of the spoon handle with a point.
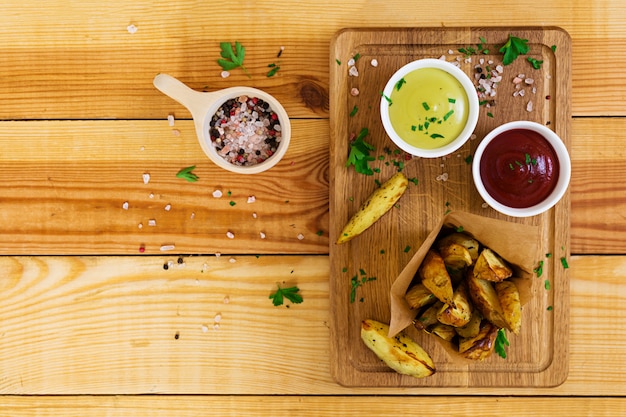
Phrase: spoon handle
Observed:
(196, 102)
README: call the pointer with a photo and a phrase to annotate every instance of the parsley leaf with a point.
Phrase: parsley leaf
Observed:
(513, 48)
(535, 62)
(290, 293)
(501, 342)
(360, 154)
(186, 174)
(356, 283)
(232, 58)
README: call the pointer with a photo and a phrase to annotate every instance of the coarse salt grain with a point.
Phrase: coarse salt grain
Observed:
(351, 62)
(374, 62)
(170, 119)
(152, 222)
(204, 328)
(218, 317)
(251, 199)
(193, 215)
(232, 260)
(230, 235)
(262, 235)
(354, 92)
(225, 74)
(125, 205)
(529, 106)
(132, 29)
(140, 225)
(226, 299)
(165, 248)
(353, 71)
(254, 215)
(217, 194)
(168, 207)
(300, 236)
(218, 254)
(484, 205)
(146, 178)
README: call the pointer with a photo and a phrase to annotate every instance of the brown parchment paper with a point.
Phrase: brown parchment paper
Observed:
(516, 243)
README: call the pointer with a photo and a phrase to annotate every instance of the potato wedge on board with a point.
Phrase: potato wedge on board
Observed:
(400, 353)
(459, 238)
(435, 277)
(455, 256)
(460, 312)
(482, 345)
(491, 266)
(419, 296)
(486, 300)
(374, 207)
(508, 295)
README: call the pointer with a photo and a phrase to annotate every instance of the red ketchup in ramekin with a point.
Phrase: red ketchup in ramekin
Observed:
(519, 168)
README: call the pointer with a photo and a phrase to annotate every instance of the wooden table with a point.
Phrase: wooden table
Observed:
(89, 324)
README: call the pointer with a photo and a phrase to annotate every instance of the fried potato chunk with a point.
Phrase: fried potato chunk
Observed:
(508, 295)
(400, 353)
(435, 277)
(491, 267)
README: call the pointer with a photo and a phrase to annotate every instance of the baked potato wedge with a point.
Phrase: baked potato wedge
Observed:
(472, 328)
(491, 267)
(374, 207)
(482, 345)
(444, 331)
(485, 299)
(460, 312)
(400, 353)
(419, 296)
(428, 317)
(458, 238)
(435, 277)
(508, 294)
(455, 256)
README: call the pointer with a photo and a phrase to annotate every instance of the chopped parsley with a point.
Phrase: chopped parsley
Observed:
(290, 293)
(513, 48)
(356, 282)
(501, 342)
(355, 109)
(564, 262)
(359, 155)
(400, 83)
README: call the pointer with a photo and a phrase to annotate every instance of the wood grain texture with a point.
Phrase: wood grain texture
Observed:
(77, 187)
(307, 406)
(64, 185)
(109, 325)
(445, 184)
(182, 39)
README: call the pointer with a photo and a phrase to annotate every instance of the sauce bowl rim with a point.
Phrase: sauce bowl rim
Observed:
(564, 169)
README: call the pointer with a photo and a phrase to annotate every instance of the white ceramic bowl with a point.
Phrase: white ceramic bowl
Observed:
(203, 106)
(564, 169)
(473, 107)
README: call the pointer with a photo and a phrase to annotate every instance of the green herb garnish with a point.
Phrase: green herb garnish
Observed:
(539, 269)
(232, 58)
(274, 69)
(386, 98)
(451, 100)
(546, 284)
(360, 154)
(232, 203)
(426, 106)
(501, 342)
(337, 61)
(436, 136)
(535, 62)
(356, 283)
(447, 115)
(564, 263)
(513, 48)
(186, 174)
(400, 83)
(355, 109)
(290, 293)
(407, 249)
(414, 180)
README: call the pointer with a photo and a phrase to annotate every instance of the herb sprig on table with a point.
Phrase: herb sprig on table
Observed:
(186, 174)
(513, 48)
(360, 154)
(290, 293)
(232, 57)
(501, 342)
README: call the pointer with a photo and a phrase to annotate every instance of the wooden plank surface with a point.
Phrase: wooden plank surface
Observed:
(81, 155)
(332, 406)
(99, 54)
(80, 175)
(125, 325)
(538, 359)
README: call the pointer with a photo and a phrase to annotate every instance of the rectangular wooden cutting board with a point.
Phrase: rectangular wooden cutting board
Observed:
(363, 269)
